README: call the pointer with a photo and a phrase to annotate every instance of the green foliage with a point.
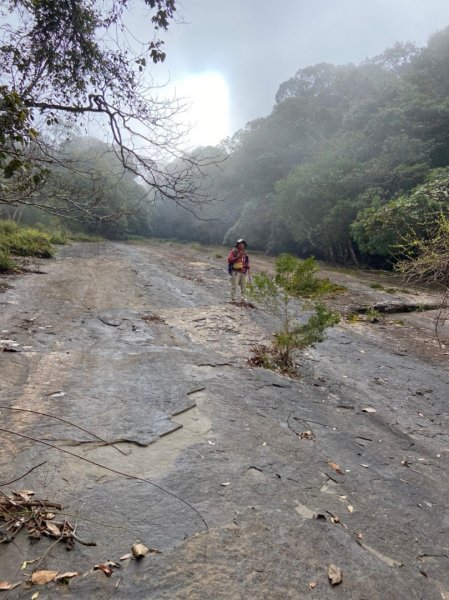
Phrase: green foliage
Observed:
(82, 236)
(60, 69)
(341, 143)
(278, 294)
(402, 224)
(6, 262)
(373, 315)
(25, 241)
(299, 277)
(104, 198)
(303, 335)
(430, 263)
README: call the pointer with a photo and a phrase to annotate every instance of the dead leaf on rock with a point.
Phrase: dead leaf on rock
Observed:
(103, 567)
(106, 567)
(335, 575)
(312, 585)
(335, 519)
(5, 586)
(35, 596)
(43, 577)
(139, 550)
(226, 483)
(126, 556)
(52, 528)
(369, 409)
(25, 494)
(65, 577)
(350, 508)
(336, 467)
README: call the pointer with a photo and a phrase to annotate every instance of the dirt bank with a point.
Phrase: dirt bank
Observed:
(137, 344)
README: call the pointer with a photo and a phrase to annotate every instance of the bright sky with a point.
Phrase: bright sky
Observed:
(208, 107)
(230, 56)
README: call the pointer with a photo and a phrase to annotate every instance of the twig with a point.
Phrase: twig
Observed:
(82, 542)
(121, 473)
(47, 551)
(116, 587)
(42, 414)
(24, 475)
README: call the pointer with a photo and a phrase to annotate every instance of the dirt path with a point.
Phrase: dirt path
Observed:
(138, 344)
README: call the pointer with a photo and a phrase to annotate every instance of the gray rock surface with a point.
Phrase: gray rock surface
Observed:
(137, 344)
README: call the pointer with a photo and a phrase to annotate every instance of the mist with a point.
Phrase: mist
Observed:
(256, 45)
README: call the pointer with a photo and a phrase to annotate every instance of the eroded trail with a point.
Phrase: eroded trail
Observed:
(138, 344)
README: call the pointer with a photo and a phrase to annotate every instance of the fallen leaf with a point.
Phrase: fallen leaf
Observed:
(312, 585)
(43, 577)
(211, 443)
(369, 409)
(25, 494)
(126, 556)
(64, 577)
(139, 550)
(306, 435)
(350, 508)
(35, 596)
(336, 467)
(5, 586)
(335, 519)
(52, 528)
(225, 483)
(28, 562)
(335, 575)
(103, 567)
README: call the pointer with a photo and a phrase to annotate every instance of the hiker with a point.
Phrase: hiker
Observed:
(238, 263)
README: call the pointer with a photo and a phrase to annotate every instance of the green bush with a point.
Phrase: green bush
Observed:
(25, 241)
(6, 262)
(299, 277)
(293, 280)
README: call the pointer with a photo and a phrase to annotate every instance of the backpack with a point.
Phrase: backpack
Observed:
(230, 266)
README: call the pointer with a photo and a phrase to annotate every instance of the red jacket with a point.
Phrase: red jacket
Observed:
(236, 256)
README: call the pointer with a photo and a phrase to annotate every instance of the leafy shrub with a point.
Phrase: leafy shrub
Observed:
(6, 262)
(431, 263)
(293, 280)
(25, 241)
(399, 227)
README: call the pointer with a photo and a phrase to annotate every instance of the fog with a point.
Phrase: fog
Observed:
(254, 46)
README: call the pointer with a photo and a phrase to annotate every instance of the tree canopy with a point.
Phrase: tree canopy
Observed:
(68, 62)
(350, 158)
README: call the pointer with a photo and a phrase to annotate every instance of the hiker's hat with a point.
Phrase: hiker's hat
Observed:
(241, 241)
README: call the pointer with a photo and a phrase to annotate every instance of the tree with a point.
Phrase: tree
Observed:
(64, 62)
(279, 295)
(401, 226)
